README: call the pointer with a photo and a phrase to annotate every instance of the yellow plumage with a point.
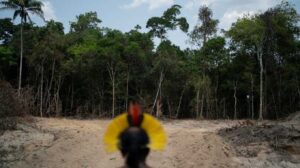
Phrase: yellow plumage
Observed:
(115, 128)
(151, 126)
(155, 132)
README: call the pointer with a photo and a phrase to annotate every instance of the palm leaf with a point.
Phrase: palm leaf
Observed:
(16, 14)
(23, 8)
(6, 8)
(29, 18)
(38, 13)
(34, 3)
(8, 5)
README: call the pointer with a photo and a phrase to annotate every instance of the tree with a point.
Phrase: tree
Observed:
(213, 57)
(208, 27)
(281, 35)
(133, 57)
(159, 27)
(46, 57)
(250, 31)
(23, 8)
(168, 64)
(85, 21)
(6, 30)
(113, 49)
(83, 65)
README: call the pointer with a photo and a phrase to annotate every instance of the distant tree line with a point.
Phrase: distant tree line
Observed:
(250, 71)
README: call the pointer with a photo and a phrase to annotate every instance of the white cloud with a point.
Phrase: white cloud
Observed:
(231, 16)
(228, 11)
(190, 4)
(48, 10)
(134, 4)
(237, 10)
(152, 4)
(197, 3)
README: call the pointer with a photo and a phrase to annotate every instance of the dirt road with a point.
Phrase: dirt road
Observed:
(65, 143)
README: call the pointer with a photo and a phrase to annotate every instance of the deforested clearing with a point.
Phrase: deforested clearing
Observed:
(162, 83)
(191, 143)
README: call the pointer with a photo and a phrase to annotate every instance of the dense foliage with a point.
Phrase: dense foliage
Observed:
(95, 71)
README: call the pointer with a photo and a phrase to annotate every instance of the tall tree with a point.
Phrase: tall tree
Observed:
(250, 31)
(113, 49)
(45, 59)
(85, 21)
(159, 27)
(281, 35)
(206, 27)
(23, 9)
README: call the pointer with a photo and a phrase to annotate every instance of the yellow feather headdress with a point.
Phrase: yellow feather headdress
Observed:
(150, 125)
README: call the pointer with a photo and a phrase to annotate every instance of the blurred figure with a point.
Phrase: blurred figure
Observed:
(134, 133)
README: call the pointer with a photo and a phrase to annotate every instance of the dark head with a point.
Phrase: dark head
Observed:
(134, 141)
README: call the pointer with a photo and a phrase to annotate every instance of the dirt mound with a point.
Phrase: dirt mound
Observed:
(15, 145)
(9, 107)
(294, 116)
(253, 140)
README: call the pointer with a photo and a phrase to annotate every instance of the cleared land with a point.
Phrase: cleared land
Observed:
(68, 143)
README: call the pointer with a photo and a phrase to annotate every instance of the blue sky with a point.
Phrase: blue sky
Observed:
(125, 14)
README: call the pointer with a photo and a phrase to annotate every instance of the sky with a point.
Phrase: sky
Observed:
(125, 14)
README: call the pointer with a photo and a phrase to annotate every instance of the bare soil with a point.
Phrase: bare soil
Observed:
(68, 143)
(265, 144)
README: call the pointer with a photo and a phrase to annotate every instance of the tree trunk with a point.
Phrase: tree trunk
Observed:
(21, 60)
(261, 97)
(127, 90)
(113, 96)
(235, 100)
(72, 96)
(41, 103)
(161, 78)
(112, 74)
(179, 104)
(216, 97)
(202, 104)
(100, 94)
(197, 105)
(48, 99)
(298, 91)
(224, 108)
(299, 96)
(275, 104)
(169, 108)
(204, 38)
(252, 97)
(207, 100)
(58, 108)
(279, 93)
(158, 109)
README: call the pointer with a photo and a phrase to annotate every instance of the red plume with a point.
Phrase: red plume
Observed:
(135, 112)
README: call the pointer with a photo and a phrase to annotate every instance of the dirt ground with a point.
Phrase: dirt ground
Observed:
(67, 143)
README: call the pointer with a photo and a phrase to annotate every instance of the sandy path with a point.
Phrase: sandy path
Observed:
(77, 144)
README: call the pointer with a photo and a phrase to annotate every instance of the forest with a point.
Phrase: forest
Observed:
(250, 71)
